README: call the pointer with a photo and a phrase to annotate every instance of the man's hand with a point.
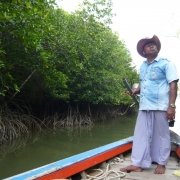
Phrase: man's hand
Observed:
(133, 92)
(170, 114)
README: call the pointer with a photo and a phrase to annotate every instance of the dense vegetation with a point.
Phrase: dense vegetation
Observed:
(58, 66)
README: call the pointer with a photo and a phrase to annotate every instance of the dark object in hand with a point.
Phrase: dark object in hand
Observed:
(171, 123)
(130, 91)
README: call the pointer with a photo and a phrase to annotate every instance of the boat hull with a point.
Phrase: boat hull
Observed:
(75, 164)
(68, 167)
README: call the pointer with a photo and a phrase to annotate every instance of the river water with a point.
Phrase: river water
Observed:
(59, 144)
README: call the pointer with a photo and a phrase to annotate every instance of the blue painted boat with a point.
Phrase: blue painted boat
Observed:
(68, 167)
(77, 163)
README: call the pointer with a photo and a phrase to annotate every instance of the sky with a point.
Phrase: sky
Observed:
(137, 19)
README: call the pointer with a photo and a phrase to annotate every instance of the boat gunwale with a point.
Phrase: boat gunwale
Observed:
(64, 164)
(75, 164)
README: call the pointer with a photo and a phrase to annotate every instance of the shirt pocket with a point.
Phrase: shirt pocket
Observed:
(156, 74)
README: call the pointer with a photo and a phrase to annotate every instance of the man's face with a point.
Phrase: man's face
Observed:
(150, 49)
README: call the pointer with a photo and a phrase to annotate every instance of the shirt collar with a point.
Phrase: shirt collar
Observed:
(156, 59)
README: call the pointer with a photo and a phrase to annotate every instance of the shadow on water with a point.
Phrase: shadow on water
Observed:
(59, 144)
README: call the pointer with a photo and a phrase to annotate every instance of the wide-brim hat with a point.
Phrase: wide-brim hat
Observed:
(143, 42)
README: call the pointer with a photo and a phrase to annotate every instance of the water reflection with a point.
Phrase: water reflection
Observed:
(59, 144)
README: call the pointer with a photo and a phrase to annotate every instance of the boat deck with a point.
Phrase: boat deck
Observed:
(149, 173)
(146, 174)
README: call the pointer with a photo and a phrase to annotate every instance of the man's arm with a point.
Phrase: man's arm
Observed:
(172, 99)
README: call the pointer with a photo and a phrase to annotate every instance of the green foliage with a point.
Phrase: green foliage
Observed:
(24, 26)
(47, 52)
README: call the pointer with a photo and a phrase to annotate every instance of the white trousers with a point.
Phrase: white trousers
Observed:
(151, 141)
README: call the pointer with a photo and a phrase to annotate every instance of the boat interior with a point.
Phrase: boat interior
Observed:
(111, 169)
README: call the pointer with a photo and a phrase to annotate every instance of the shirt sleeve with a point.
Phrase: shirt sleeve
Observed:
(171, 72)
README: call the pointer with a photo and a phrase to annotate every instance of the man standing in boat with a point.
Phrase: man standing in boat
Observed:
(158, 92)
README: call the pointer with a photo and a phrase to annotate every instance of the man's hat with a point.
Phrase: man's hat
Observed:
(143, 42)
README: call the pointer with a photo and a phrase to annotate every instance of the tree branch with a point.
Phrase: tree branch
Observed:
(23, 84)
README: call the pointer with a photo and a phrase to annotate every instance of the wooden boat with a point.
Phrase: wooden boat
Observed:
(77, 166)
